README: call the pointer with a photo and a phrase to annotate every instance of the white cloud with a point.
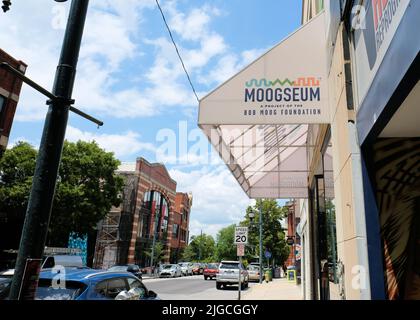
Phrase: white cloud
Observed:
(218, 200)
(121, 144)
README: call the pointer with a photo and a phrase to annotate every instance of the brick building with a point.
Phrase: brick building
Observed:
(150, 203)
(10, 87)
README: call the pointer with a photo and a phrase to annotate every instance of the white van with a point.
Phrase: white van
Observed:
(62, 260)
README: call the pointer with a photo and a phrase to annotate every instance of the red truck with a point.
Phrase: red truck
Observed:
(211, 270)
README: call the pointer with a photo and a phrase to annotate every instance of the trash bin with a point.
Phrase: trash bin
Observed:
(268, 274)
(277, 273)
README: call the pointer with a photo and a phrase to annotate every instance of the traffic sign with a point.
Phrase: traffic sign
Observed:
(240, 250)
(241, 235)
(267, 254)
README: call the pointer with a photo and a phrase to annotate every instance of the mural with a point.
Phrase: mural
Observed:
(76, 242)
(397, 163)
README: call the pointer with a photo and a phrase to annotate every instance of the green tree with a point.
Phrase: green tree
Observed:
(16, 170)
(274, 239)
(158, 253)
(200, 249)
(225, 247)
(87, 187)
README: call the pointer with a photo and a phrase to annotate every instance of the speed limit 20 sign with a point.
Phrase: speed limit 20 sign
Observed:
(241, 235)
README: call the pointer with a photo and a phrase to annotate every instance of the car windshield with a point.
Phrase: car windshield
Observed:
(169, 266)
(253, 268)
(183, 264)
(118, 268)
(212, 266)
(46, 291)
(229, 266)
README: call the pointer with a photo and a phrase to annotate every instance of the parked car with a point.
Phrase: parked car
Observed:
(254, 272)
(89, 284)
(132, 268)
(186, 268)
(62, 260)
(210, 271)
(197, 268)
(229, 274)
(6, 277)
(170, 270)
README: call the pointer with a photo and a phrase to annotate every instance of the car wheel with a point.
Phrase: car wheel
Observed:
(205, 278)
(218, 286)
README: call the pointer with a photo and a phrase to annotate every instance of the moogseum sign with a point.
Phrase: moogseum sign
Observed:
(287, 85)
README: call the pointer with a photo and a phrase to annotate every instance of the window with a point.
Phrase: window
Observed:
(175, 231)
(147, 200)
(2, 105)
(165, 215)
(115, 286)
(138, 287)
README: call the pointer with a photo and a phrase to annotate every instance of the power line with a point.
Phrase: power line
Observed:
(177, 51)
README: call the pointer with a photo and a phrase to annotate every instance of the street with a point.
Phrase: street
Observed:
(191, 288)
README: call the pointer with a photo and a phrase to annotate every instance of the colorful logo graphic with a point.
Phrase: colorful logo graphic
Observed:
(300, 90)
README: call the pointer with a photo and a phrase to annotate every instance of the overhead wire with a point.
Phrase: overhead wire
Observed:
(177, 51)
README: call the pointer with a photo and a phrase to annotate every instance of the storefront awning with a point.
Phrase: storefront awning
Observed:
(258, 120)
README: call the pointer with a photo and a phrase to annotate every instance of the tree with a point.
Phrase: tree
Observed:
(16, 170)
(158, 253)
(201, 249)
(87, 188)
(273, 233)
(225, 248)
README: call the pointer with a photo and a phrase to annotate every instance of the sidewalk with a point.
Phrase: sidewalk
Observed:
(278, 289)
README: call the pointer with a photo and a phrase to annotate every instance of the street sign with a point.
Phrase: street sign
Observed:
(267, 254)
(240, 250)
(241, 235)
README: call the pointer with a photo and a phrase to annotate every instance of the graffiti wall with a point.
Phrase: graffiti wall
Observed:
(397, 163)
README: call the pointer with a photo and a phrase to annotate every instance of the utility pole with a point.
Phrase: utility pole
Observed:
(261, 244)
(38, 213)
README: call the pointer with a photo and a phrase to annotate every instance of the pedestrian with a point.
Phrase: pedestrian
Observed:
(284, 270)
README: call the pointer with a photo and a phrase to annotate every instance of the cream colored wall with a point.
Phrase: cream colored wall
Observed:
(348, 186)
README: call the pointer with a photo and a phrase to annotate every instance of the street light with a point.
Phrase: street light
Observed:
(38, 213)
(251, 216)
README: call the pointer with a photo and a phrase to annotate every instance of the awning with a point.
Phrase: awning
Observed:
(258, 120)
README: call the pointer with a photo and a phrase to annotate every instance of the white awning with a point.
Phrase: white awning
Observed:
(258, 120)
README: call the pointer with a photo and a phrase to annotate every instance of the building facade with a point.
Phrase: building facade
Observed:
(364, 168)
(152, 215)
(335, 125)
(10, 88)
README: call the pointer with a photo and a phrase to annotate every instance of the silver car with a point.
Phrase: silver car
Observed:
(186, 268)
(229, 274)
(254, 272)
(170, 270)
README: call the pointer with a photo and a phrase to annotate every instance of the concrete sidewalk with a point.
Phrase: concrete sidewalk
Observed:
(278, 289)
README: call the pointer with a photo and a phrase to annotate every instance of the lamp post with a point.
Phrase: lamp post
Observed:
(35, 228)
(251, 216)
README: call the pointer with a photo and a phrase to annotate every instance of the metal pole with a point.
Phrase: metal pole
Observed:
(38, 213)
(154, 238)
(261, 245)
(239, 282)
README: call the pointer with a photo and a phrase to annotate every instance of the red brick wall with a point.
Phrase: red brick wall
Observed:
(152, 177)
(9, 86)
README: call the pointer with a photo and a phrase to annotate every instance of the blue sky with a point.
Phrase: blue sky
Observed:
(129, 76)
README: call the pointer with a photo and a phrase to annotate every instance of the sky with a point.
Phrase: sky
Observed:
(129, 76)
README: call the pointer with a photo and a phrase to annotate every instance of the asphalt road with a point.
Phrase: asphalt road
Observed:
(191, 288)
